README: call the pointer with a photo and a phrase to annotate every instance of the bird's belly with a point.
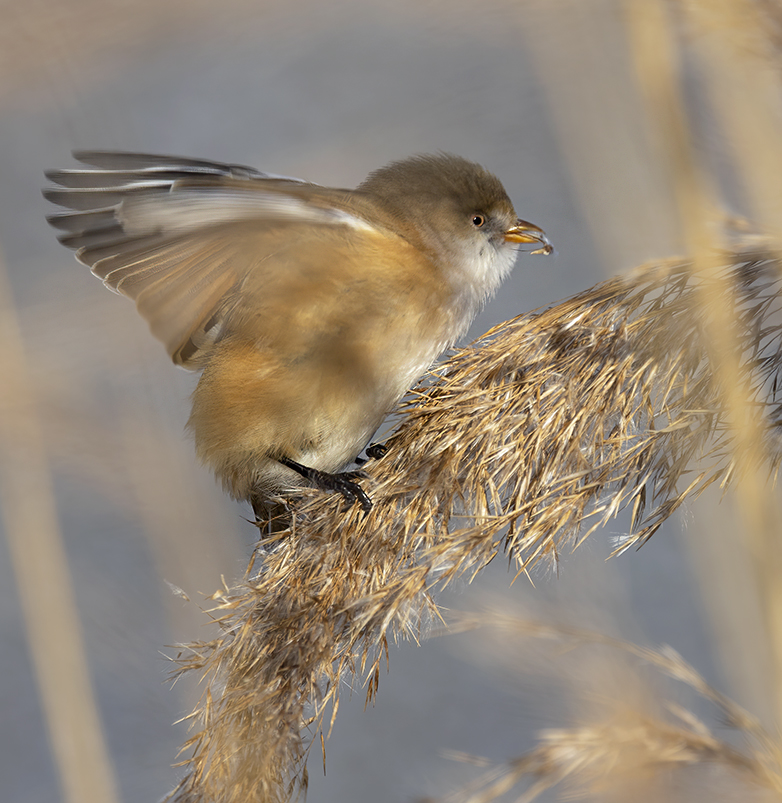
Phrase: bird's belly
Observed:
(319, 408)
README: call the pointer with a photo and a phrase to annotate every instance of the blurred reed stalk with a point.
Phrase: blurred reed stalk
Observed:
(43, 580)
(655, 49)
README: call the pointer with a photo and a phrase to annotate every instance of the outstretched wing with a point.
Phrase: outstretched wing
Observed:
(181, 236)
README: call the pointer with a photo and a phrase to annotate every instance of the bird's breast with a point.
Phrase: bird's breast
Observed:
(318, 361)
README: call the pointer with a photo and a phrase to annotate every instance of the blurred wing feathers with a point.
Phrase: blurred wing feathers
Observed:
(179, 236)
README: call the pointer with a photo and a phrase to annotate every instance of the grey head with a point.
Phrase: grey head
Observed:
(458, 213)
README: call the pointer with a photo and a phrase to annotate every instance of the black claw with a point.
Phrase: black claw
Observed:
(344, 483)
(374, 451)
(350, 490)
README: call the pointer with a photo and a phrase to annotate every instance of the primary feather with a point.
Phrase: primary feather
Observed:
(180, 236)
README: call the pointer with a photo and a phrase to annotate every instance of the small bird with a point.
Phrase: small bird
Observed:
(309, 310)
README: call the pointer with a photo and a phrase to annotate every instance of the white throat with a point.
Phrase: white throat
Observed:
(478, 276)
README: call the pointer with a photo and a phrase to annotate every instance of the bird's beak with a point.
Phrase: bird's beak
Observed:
(524, 232)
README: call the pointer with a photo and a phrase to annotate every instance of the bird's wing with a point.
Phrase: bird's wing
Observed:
(181, 236)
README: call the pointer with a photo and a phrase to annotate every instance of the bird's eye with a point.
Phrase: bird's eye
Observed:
(478, 221)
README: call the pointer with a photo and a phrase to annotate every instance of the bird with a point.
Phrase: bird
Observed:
(309, 310)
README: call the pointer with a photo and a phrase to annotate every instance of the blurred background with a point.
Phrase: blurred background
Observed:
(565, 102)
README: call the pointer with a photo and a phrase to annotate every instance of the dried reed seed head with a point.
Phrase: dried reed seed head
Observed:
(526, 441)
(633, 738)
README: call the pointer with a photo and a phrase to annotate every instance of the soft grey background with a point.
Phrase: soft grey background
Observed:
(326, 92)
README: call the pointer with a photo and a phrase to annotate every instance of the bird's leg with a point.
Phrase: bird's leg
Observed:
(344, 482)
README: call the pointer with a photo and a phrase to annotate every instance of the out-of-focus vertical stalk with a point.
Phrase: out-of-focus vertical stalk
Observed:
(654, 47)
(177, 521)
(576, 52)
(742, 69)
(44, 584)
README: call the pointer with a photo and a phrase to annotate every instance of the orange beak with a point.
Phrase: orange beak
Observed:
(524, 232)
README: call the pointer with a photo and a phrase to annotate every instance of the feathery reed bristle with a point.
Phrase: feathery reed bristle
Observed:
(527, 440)
(635, 742)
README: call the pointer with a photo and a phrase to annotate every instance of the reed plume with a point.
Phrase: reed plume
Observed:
(524, 442)
(632, 737)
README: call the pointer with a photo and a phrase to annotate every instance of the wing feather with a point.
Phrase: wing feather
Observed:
(180, 236)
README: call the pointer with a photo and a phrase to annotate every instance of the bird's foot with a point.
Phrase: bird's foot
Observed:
(342, 482)
(377, 450)
(374, 452)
